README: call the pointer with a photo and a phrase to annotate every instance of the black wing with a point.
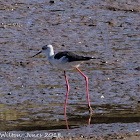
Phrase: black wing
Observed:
(71, 56)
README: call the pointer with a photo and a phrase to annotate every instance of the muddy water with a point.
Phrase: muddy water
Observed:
(32, 92)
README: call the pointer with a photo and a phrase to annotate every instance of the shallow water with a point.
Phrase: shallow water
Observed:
(32, 92)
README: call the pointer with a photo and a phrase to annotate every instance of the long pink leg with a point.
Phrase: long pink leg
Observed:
(66, 121)
(66, 99)
(86, 78)
(66, 93)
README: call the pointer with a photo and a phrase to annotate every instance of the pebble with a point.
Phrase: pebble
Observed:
(52, 1)
(9, 93)
(102, 97)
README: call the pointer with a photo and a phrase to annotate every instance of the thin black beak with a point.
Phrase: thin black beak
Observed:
(37, 53)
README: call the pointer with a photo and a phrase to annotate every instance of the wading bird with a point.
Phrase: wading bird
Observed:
(65, 61)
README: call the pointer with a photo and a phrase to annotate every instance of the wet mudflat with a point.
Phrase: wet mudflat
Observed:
(32, 92)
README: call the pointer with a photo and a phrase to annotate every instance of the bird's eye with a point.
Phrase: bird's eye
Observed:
(44, 48)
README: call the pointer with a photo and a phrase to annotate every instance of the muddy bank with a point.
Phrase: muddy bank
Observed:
(121, 136)
(32, 92)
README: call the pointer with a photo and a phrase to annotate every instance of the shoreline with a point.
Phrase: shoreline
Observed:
(118, 136)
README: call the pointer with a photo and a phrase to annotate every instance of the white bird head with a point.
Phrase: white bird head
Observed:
(47, 49)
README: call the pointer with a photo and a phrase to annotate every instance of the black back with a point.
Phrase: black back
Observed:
(71, 56)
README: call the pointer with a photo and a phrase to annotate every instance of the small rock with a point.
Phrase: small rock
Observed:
(138, 68)
(102, 61)
(102, 97)
(52, 1)
(92, 25)
(9, 93)
(52, 87)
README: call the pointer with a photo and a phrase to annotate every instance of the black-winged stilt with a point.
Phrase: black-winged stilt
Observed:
(66, 60)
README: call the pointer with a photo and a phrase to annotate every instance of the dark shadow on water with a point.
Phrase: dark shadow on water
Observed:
(15, 120)
(74, 122)
(66, 120)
